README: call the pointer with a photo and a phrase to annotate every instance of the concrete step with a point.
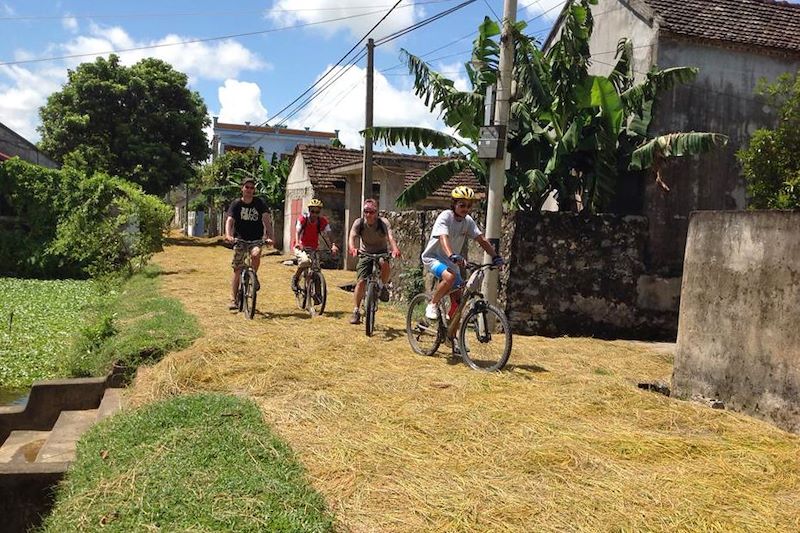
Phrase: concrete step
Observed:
(22, 446)
(62, 442)
(110, 404)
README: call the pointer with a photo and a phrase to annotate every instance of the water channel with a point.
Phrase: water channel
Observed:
(13, 396)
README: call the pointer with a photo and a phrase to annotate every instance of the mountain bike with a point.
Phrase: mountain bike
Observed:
(248, 281)
(312, 293)
(480, 329)
(373, 290)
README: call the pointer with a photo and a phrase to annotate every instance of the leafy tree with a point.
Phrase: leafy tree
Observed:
(141, 123)
(570, 132)
(771, 161)
(220, 180)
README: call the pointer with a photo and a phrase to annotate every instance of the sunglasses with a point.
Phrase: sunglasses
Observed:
(249, 187)
(369, 211)
(468, 205)
(314, 211)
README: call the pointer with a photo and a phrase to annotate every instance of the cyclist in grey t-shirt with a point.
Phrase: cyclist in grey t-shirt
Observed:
(376, 237)
(442, 255)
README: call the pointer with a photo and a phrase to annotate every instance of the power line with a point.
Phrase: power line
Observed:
(328, 72)
(191, 41)
(204, 13)
(425, 22)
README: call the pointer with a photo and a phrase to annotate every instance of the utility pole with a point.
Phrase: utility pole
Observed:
(497, 168)
(366, 175)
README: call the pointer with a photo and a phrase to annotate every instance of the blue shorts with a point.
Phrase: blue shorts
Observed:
(438, 268)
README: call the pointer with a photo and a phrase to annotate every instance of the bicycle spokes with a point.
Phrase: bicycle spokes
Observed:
(485, 338)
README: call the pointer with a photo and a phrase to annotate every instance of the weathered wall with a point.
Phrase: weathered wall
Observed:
(738, 335)
(721, 100)
(569, 274)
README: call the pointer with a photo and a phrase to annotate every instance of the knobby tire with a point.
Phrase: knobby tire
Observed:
(424, 336)
(473, 316)
(370, 305)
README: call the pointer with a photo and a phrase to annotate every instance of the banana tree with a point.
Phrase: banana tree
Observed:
(571, 132)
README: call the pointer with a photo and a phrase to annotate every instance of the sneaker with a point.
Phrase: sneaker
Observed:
(356, 318)
(384, 294)
(233, 306)
(432, 311)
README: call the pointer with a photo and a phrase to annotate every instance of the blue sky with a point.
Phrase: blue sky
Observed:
(246, 77)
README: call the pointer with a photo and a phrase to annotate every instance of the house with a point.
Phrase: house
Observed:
(12, 144)
(734, 43)
(334, 176)
(270, 140)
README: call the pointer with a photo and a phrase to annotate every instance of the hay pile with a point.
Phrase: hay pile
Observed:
(562, 440)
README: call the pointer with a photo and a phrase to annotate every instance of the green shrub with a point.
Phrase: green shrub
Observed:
(72, 226)
(413, 280)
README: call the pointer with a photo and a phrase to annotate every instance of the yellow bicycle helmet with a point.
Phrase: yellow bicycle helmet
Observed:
(463, 193)
(315, 202)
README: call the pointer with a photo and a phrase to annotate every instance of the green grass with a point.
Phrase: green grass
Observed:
(134, 327)
(38, 321)
(190, 463)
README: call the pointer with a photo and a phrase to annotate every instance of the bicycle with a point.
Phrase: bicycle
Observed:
(312, 293)
(373, 290)
(476, 330)
(248, 281)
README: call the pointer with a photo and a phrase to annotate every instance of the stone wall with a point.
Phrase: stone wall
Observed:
(571, 274)
(738, 339)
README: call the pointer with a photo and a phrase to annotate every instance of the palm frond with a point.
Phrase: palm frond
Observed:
(674, 145)
(431, 181)
(420, 137)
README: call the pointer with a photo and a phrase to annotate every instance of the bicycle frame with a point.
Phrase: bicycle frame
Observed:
(470, 292)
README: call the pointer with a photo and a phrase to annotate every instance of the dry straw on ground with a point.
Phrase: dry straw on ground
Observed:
(561, 441)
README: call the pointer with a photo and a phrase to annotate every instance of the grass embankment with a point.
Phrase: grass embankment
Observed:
(132, 325)
(39, 320)
(192, 463)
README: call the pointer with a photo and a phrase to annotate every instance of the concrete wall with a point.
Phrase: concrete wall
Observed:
(722, 100)
(738, 335)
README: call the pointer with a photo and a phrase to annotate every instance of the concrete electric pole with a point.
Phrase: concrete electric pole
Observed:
(497, 168)
(366, 174)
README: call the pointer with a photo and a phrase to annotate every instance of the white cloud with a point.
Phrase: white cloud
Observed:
(455, 72)
(70, 23)
(208, 60)
(7, 10)
(544, 9)
(342, 107)
(291, 12)
(240, 102)
(20, 101)
(24, 90)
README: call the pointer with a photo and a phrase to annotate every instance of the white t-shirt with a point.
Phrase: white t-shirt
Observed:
(457, 230)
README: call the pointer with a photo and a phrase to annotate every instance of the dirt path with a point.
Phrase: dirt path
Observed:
(563, 440)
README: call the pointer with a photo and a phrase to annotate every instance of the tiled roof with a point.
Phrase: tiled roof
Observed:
(322, 162)
(763, 23)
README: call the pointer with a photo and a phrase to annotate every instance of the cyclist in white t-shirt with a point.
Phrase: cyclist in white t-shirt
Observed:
(442, 254)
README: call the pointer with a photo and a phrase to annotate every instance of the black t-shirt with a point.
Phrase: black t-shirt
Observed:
(247, 223)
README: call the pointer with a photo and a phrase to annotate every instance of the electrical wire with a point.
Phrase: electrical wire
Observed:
(424, 22)
(191, 41)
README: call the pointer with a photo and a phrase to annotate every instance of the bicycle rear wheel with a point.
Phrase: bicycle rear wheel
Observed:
(484, 337)
(316, 294)
(249, 293)
(370, 306)
(424, 335)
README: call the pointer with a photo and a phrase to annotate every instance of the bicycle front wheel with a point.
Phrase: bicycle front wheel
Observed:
(316, 294)
(424, 335)
(249, 293)
(484, 337)
(370, 306)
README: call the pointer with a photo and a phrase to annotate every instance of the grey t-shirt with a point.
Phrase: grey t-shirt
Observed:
(457, 231)
(374, 239)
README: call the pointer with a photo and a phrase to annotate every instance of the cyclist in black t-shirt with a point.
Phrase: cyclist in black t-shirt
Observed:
(246, 220)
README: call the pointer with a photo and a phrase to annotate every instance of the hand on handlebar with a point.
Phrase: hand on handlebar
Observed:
(229, 238)
(498, 260)
(457, 259)
(396, 253)
(353, 251)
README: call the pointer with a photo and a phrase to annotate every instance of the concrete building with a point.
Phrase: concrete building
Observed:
(734, 43)
(271, 140)
(334, 176)
(12, 144)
